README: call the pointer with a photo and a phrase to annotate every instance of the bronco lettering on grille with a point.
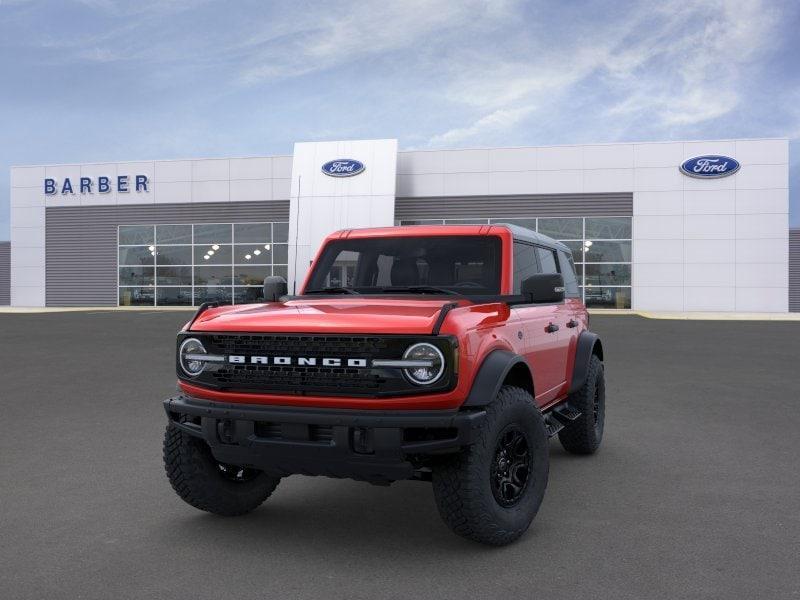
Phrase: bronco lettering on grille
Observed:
(301, 361)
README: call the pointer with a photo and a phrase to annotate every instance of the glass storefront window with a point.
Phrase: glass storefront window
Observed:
(174, 255)
(605, 297)
(257, 233)
(570, 228)
(248, 295)
(607, 274)
(136, 276)
(137, 255)
(212, 254)
(608, 228)
(212, 294)
(608, 251)
(174, 296)
(250, 274)
(186, 264)
(135, 235)
(173, 276)
(280, 232)
(136, 296)
(173, 234)
(252, 254)
(212, 233)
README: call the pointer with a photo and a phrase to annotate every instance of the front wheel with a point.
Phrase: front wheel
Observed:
(205, 483)
(491, 491)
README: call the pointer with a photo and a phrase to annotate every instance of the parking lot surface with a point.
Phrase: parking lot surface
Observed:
(694, 494)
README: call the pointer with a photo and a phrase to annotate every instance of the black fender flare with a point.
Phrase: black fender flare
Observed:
(491, 375)
(588, 344)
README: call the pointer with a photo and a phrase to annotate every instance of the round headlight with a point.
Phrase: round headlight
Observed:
(424, 352)
(191, 366)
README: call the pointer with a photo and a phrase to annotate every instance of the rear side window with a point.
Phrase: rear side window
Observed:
(525, 264)
(571, 289)
(547, 258)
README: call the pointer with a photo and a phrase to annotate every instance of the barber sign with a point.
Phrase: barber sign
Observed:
(343, 167)
(710, 166)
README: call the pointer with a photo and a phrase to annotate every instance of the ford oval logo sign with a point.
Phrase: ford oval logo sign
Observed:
(710, 166)
(343, 167)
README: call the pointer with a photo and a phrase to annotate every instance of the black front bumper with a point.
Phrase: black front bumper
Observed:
(377, 446)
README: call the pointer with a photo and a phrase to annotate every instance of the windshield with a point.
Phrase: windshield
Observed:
(468, 264)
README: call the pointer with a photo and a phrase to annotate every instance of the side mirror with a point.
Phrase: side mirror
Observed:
(274, 288)
(544, 287)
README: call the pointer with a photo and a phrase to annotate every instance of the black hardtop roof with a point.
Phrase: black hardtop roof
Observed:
(524, 234)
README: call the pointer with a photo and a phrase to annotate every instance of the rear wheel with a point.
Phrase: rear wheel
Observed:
(205, 483)
(584, 434)
(491, 491)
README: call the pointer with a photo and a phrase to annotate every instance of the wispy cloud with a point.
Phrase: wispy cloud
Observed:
(87, 80)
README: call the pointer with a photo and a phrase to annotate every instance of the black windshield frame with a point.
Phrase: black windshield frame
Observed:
(463, 265)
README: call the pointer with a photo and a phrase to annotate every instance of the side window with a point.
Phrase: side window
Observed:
(570, 280)
(525, 264)
(547, 258)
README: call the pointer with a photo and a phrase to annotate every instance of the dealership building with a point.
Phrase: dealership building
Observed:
(665, 226)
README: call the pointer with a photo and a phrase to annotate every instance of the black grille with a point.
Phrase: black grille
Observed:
(304, 345)
(308, 379)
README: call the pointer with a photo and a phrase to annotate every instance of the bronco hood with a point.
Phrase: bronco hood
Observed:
(362, 315)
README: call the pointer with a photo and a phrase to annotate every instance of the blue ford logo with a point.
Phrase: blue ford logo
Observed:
(343, 167)
(710, 166)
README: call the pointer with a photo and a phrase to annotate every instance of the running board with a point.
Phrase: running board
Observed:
(566, 413)
(559, 417)
(552, 425)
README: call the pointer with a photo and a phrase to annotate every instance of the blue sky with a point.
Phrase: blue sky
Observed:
(104, 80)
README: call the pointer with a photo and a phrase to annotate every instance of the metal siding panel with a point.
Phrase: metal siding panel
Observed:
(5, 273)
(794, 270)
(81, 242)
(509, 207)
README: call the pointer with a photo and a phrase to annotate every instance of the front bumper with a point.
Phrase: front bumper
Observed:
(377, 446)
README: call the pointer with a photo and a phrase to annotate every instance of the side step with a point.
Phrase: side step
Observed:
(566, 413)
(561, 415)
(552, 425)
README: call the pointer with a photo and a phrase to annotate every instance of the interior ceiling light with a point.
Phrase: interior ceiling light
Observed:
(266, 246)
(256, 251)
(247, 257)
(151, 248)
(206, 257)
(587, 243)
(211, 253)
(215, 247)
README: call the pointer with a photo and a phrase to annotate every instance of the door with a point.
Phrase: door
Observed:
(542, 325)
(576, 313)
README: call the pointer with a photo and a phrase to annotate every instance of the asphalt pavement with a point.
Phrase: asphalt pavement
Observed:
(694, 494)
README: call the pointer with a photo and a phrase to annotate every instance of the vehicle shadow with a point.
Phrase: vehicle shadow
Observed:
(320, 515)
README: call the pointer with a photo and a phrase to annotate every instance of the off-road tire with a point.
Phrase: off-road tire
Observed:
(462, 484)
(584, 434)
(198, 479)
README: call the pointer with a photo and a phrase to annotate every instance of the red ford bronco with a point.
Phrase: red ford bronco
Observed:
(447, 354)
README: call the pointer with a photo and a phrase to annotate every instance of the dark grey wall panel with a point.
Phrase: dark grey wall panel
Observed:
(794, 270)
(5, 273)
(508, 207)
(82, 241)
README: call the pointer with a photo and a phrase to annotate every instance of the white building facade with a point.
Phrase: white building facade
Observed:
(646, 233)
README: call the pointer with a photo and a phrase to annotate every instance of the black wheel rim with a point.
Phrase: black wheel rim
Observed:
(511, 466)
(234, 473)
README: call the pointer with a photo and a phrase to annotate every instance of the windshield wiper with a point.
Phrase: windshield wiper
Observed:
(333, 290)
(419, 289)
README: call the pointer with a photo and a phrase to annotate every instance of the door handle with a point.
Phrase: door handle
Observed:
(572, 323)
(551, 328)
